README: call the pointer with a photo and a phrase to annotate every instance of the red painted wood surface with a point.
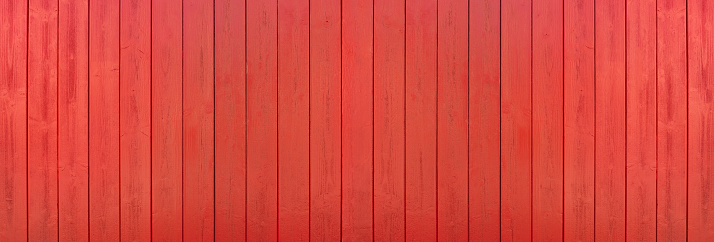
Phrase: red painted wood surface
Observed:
(579, 120)
(548, 119)
(610, 120)
(104, 122)
(328, 120)
(294, 120)
(230, 126)
(13, 120)
(166, 120)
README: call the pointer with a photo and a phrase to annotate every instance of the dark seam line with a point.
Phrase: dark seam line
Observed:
(182, 121)
(468, 120)
(500, 118)
(531, 122)
(151, 120)
(309, 120)
(245, 91)
(686, 23)
(341, 120)
(595, 119)
(404, 129)
(625, 167)
(119, 115)
(89, 217)
(373, 101)
(436, 117)
(57, 126)
(656, 118)
(277, 119)
(27, 118)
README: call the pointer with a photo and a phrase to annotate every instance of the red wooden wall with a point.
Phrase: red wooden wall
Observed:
(386, 120)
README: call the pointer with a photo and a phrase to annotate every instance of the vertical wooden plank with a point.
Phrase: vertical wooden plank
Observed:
(73, 119)
(104, 121)
(421, 64)
(516, 120)
(135, 120)
(42, 210)
(579, 118)
(198, 118)
(484, 120)
(700, 217)
(166, 120)
(357, 120)
(671, 120)
(452, 120)
(262, 120)
(13, 120)
(641, 101)
(230, 120)
(389, 54)
(293, 120)
(548, 119)
(610, 120)
(325, 120)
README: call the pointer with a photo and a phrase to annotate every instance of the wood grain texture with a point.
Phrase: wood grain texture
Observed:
(641, 106)
(421, 78)
(671, 120)
(262, 111)
(452, 120)
(610, 120)
(484, 120)
(42, 197)
(516, 120)
(548, 110)
(579, 118)
(294, 120)
(700, 181)
(73, 119)
(104, 121)
(230, 129)
(166, 120)
(325, 120)
(357, 120)
(198, 121)
(135, 120)
(389, 130)
(13, 120)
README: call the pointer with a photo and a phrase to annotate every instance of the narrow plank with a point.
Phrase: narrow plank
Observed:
(610, 120)
(294, 120)
(230, 119)
(421, 78)
(166, 120)
(13, 120)
(389, 138)
(671, 120)
(73, 119)
(548, 110)
(579, 118)
(262, 134)
(516, 120)
(135, 120)
(357, 120)
(452, 120)
(42, 197)
(484, 120)
(104, 121)
(325, 120)
(198, 118)
(641, 120)
(700, 37)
